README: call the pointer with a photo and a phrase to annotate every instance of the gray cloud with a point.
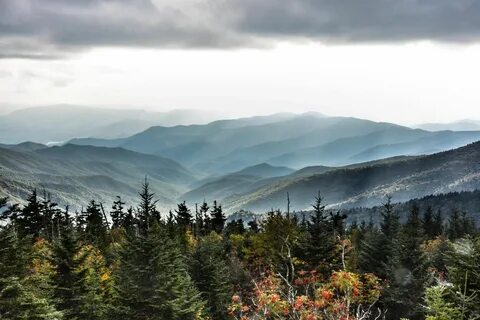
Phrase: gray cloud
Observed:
(46, 29)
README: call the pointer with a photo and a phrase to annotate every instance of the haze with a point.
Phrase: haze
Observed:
(416, 68)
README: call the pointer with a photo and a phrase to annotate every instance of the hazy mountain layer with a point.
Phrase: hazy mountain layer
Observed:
(462, 125)
(61, 123)
(454, 170)
(218, 188)
(76, 174)
(295, 141)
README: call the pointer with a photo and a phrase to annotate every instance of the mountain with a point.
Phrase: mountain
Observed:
(264, 170)
(462, 125)
(286, 140)
(60, 123)
(367, 185)
(218, 188)
(24, 146)
(76, 174)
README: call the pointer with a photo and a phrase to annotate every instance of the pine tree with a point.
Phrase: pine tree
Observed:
(320, 248)
(217, 218)
(408, 268)
(210, 272)
(95, 227)
(235, 227)
(146, 210)
(184, 216)
(152, 280)
(204, 214)
(94, 288)
(65, 247)
(30, 223)
(26, 287)
(118, 214)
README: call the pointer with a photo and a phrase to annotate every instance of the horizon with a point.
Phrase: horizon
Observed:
(404, 62)
(222, 115)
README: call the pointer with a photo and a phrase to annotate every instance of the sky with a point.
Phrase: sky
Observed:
(403, 61)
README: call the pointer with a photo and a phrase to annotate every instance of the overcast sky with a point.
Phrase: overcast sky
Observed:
(405, 61)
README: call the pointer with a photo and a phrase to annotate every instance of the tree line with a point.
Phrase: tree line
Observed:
(137, 263)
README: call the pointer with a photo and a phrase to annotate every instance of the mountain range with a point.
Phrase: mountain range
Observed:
(247, 163)
(288, 140)
(75, 174)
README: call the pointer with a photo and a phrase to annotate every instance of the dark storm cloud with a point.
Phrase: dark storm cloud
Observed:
(53, 28)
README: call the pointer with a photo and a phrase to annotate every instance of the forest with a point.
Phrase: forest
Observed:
(137, 263)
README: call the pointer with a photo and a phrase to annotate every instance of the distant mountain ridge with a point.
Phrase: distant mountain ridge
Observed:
(285, 140)
(449, 171)
(76, 174)
(461, 125)
(60, 123)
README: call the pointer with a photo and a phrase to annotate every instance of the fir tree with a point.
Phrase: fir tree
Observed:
(65, 247)
(31, 221)
(152, 280)
(210, 272)
(147, 209)
(119, 216)
(94, 288)
(184, 216)
(408, 268)
(320, 249)
(217, 218)
(95, 226)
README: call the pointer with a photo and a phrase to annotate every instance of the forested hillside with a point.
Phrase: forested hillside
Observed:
(129, 262)
(74, 174)
(454, 170)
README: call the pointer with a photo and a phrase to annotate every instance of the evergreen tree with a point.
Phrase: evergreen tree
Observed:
(320, 249)
(408, 269)
(184, 216)
(147, 209)
(459, 225)
(152, 279)
(253, 226)
(94, 288)
(210, 272)
(26, 287)
(95, 226)
(204, 214)
(31, 221)
(217, 218)
(65, 247)
(235, 227)
(119, 216)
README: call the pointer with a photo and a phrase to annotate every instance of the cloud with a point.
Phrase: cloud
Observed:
(48, 29)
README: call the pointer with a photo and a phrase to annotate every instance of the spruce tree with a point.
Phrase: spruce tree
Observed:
(146, 210)
(204, 215)
(95, 226)
(30, 222)
(65, 247)
(152, 281)
(408, 269)
(210, 272)
(118, 214)
(217, 218)
(183, 216)
(94, 287)
(320, 248)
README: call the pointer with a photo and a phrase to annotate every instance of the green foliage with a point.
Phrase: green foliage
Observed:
(94, 288)
(211, 274)
(185, 266)
(437, 305)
